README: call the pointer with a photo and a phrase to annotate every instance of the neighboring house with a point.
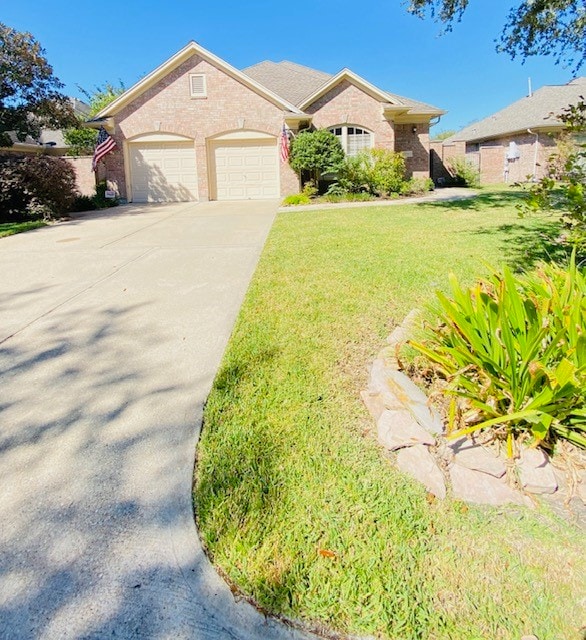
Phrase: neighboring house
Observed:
(515, 143)
(49, 140)
(196, 128)
(52, 142)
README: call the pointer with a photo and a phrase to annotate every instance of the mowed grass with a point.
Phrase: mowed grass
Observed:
(10, 228)
(296, 503)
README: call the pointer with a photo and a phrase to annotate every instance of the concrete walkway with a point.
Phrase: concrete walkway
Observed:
(112, 327)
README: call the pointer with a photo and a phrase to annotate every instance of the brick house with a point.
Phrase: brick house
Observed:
(196, 128)
(515, 143)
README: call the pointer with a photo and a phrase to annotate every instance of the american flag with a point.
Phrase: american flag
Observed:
(104, 144)
(284, 145)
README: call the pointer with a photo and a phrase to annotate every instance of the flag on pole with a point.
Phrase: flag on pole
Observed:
(104, 144)
(284, 145)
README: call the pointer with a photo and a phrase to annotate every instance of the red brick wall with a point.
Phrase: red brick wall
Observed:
(534, 154)
(347, 104)
(416, 143)
(168, 108)
(441, 154)
(85, 177)
(491, 157)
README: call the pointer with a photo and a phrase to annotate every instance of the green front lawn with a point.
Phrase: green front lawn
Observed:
(10, 228)
(295, 501)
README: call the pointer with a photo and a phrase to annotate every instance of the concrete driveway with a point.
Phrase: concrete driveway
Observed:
(112, 327)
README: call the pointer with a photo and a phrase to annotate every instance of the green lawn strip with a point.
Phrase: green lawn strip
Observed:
(11, 228)
(288, 468)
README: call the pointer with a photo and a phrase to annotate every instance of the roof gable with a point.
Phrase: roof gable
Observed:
(353, 78)
(192, 48)
(392, 103)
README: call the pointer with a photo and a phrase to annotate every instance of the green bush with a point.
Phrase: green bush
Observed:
(36, 186)
(336, 190)
(417, 186)
(388, 171)
(355, 174)
(100, 199)
(465, 173)
(309, 189)
(316, 152)
(513, 352)
(83, 203)
(296, 199)
(376, 171)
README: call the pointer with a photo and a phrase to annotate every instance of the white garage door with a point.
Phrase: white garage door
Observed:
(163, 172)
(246, 170)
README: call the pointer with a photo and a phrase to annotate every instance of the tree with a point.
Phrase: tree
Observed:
(82, 140)
(443, 135)
(316, 152)
(563, 188)
(535, 27)
(30, 97)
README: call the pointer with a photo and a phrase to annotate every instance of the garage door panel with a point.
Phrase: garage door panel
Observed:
(245, 170)
(163, 172)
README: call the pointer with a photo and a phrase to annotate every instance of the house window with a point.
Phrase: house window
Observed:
(197, 85)
(353, 139)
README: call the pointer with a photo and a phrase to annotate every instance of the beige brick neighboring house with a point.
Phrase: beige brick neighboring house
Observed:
(196, 128)
(514, 144)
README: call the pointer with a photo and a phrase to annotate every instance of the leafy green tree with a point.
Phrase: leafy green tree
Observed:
(563, 188)
(443, 135)
(30, 96)
(534, 27)
(316, 152)
(82, 140)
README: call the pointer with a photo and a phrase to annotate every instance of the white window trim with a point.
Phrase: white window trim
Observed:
(344, 138)
(204, 93)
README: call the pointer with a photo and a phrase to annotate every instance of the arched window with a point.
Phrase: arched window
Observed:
(352, 138)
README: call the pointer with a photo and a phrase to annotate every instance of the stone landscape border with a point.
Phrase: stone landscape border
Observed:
(409, 426)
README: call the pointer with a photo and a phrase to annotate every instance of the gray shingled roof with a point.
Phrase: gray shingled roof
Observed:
(294, 82)
(289, 80)
(538, 111)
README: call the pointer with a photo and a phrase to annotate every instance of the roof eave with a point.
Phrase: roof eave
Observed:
(536, 128)
(407, 115)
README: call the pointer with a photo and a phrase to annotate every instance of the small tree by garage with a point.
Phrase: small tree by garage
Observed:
(315, 153)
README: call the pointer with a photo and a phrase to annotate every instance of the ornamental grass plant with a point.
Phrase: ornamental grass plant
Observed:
(513, 352)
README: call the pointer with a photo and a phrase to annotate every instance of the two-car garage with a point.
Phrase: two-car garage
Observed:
(241, 165)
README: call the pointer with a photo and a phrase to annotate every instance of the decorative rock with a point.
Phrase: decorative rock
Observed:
(404, 388)
(481, 488)
(379, 384)
(399, 334)
(378, 381)
(373, 403)
(398, 429)
(473, 456)
(402, 332)
(535, 472)
(419, 463)
(389, 357)
(415, 400)
(428, 418)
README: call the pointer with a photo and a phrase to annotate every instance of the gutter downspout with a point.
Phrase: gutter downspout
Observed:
(536, 145)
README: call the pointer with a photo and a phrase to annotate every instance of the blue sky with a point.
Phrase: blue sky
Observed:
(92, 43)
